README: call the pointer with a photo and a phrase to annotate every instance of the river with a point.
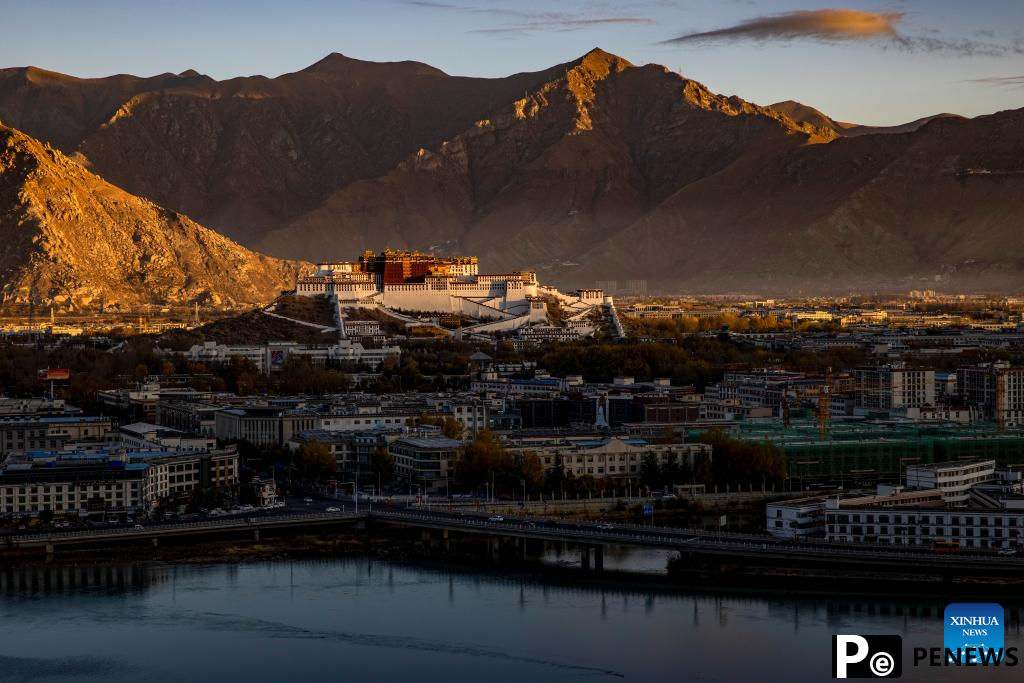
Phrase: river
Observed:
(371, 620)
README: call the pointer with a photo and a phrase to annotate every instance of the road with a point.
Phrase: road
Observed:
(300, 511)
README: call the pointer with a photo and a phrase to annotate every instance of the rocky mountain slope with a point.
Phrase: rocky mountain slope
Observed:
(812, 117)
(542, 179)
(592, 170)
(76, 240)
(250, 154)
(941, 208)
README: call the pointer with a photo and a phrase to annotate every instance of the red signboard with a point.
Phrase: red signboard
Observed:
(53, 374)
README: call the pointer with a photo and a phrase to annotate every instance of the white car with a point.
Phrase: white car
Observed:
(495, 518)
(333, 509)
(605, 526)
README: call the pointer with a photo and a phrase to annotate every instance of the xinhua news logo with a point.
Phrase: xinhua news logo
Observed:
(973, 632)
(867, 656)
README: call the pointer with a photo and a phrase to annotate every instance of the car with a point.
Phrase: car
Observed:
(605, 526)
(1007, 552)
(307, 501)
(333, 509)
(495, 518)
(138, 526)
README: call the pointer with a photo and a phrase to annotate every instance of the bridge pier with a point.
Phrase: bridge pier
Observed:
(155, 541)
(49, 551)
(256, 535)
(591, 557)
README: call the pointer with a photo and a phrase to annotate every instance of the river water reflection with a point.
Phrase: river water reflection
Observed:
(366, 620)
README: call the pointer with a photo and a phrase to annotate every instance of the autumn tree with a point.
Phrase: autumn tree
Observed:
(482, 460)
(316, 458)
(531, 469)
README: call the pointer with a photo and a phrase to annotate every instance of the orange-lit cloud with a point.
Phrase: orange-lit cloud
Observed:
(821, 24)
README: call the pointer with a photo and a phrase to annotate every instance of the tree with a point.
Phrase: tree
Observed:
(738, 462)
(316, 458)
(382, 464)
(555, 478)
(650, 473)
(670, 471)
(482, 460)
(531, 469)
(450, 427)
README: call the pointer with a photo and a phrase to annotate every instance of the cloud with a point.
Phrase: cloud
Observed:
(566, 24)
(847, 25)
(1000, 81)
(520, 21)
(821, 24)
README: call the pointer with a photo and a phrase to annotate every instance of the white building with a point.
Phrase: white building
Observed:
(271, 357)
(954, 479)
(796, 519)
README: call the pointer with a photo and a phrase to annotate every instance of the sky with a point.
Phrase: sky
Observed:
(871, 62)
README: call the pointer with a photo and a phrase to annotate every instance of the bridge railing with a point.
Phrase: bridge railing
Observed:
(155, 530)
(657, 538)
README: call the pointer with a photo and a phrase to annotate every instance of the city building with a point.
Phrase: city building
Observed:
(954, 479)
(796, 519)
(271, 357)
(425, 462)
(30, 433)
(262, 425)
(611, 457)
(892, 386)
(115, 481)
(996, 389)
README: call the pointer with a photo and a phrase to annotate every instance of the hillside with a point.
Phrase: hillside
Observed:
(250, 154)
(542, 179)
(74, 239)
(596, 169)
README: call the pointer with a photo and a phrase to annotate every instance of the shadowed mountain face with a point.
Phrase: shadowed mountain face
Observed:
(73, 239)
(250, 154)
(595, 169)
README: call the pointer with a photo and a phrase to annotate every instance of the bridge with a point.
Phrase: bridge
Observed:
(591, 539)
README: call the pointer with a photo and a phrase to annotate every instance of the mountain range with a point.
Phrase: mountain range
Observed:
(73, 239)
(591, 170)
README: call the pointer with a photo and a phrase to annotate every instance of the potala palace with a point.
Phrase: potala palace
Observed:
(404, 284)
